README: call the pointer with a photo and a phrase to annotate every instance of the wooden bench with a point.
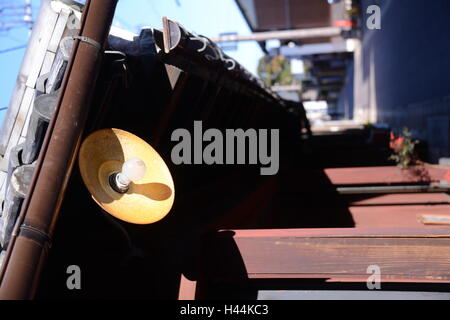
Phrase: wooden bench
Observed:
(407, 257)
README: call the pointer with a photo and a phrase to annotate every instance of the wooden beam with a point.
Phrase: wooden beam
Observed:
(410, 255)
(396, 199)
(385, 175)
(187, 289)
(403, 216)
(41, 50)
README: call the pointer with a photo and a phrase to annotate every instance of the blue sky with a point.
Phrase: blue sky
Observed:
(206, 17)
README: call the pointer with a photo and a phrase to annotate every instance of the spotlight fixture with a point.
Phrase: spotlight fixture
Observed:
(126, 176)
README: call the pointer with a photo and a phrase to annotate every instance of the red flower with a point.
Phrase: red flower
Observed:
(396, 143)
(447, 176)
(392, 142)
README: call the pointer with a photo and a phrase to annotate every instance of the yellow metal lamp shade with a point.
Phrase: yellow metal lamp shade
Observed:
(103, 154)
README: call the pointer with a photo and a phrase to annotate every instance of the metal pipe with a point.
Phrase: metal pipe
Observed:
(393, 189)
(34, 230)
(282, 88)
(325, 32)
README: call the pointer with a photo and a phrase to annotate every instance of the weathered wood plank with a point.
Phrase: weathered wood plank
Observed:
(59, 30)
(427, 258)
(384, 175)
(343, 233)
(48, 62)
(233, 256)
(11, 115)
(2, 185)
(187, 289)
(23, 133)
(392, 199)
(407, 216)
(40, 51)
(350, 295)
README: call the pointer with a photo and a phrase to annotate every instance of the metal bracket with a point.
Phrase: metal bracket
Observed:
(88, 40)
(37, 234)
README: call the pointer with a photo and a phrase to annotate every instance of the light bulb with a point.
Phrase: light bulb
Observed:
(132, 170)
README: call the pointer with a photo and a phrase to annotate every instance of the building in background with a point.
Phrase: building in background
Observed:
(396, 76)
(320, 66)
(402, 71)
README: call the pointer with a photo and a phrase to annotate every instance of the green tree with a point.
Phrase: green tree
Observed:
(275, 71)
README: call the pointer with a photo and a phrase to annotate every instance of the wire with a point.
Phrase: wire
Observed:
(13, 49)
(11, 10)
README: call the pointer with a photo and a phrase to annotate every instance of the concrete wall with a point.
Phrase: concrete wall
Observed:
(402, 72)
